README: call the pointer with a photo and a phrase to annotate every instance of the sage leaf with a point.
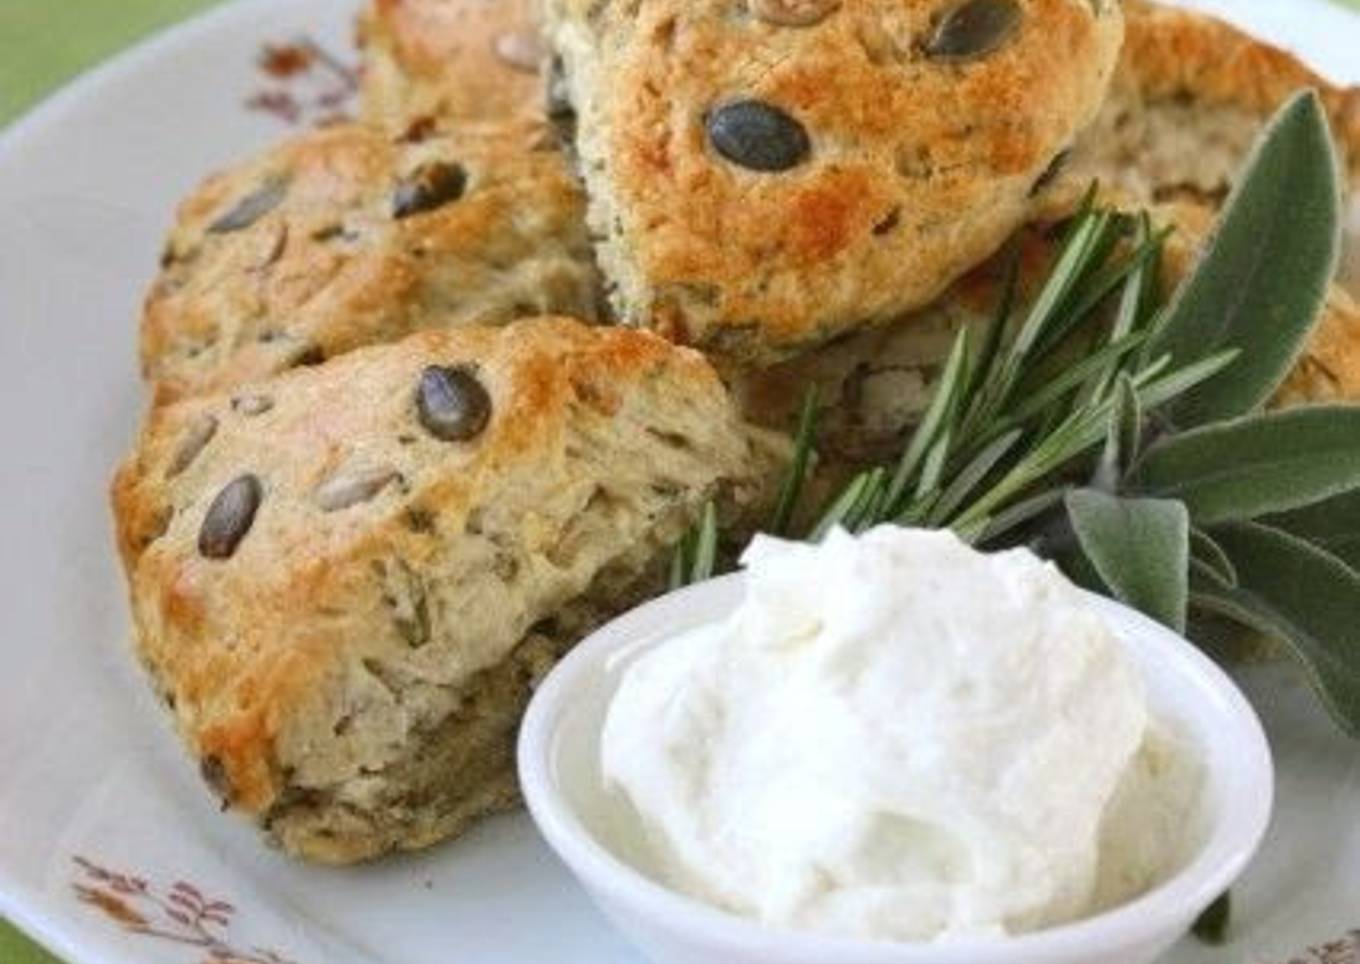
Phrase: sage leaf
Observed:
(1333, 525)
(1139, 547)
(1306, 597)
(1257, 465)
(1261, 282)
(1208, 556)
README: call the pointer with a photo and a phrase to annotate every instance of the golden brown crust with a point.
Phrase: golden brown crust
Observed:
(1188, 100)
(326, 263)
(307, 668)
(1330, 368)
(452, 60)
(918, 169)
(1170, 53)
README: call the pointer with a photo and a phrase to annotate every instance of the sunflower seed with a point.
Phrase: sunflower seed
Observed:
(230, 517)
(199, 434)
(251, 405)
(428, 187)
(351, 488)
(974, 29)
(758, 136)
(453, 404)
(793, 13)
(252, 207)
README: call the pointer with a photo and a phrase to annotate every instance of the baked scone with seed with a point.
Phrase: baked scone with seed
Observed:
(345, 237)
(346, 581)
(765, 175)
(452, 60)
(1189, 98)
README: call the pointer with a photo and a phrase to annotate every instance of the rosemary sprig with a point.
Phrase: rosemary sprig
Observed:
(1100, 429)
(1001, 425)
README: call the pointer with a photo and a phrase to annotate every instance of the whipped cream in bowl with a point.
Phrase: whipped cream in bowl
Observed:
(893, 747)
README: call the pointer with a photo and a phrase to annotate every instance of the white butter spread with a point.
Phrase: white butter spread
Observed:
(898, 737)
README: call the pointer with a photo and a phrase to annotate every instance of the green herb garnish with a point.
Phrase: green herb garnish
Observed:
(1126, 438)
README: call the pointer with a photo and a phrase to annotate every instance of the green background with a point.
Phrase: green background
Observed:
(42, 43)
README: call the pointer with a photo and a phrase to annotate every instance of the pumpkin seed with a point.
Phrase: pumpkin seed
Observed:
(974, 29)
(252, 207)
(793, 13)
(348, 489)
(520, 49)
(197, 437)
(758, 136)
(453, 404)
(428, 187)
(230, 517)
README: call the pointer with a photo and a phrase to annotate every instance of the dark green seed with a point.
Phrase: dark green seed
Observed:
(758, 136)
(251, 208)
(230, 517)
(973, 29)
(428, 187)
(452, 403)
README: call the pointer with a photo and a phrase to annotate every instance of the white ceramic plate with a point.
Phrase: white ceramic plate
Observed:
(110, 850)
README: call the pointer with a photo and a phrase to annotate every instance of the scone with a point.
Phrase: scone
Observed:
(765, 175)
(451, 60)
(874, 386)
(344, 237)
(346, 581)
(1188, 101)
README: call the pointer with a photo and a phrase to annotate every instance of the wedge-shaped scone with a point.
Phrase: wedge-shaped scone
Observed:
(766, 175)
(1188, 101)
(346, 582)
(451, 60)
(874, 386)
(345, 237)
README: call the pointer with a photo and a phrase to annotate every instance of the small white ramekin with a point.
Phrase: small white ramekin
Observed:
(558, 768)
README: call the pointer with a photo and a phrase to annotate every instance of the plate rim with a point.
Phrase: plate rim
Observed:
(29, 910)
